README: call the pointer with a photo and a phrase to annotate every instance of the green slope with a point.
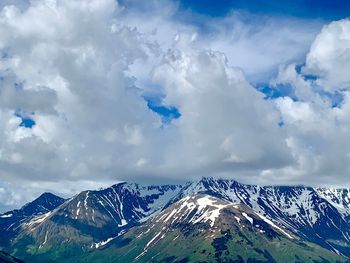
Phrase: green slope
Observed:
(193, 244)
(195, 229)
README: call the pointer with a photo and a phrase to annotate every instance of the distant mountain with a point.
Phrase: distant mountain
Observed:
(97, 225)
(12, 222)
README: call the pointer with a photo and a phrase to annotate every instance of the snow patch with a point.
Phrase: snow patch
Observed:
(238, 219)
(274, 226)
(123, 223)
(6, 216)
(248, 217)
(207, 209)
(102, 243)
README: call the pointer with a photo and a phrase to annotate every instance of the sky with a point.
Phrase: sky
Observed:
(96, 92)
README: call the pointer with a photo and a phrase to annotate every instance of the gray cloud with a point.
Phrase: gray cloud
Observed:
(83, 68)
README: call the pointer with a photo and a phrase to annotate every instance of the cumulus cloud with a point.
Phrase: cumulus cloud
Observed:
(316, 127)
(64, 63)
(80, 71)
(225, 126)
(329, 56)
(257, 44)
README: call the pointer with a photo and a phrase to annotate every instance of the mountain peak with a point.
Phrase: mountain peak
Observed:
(44, 203)
(210, 182)
(11, 222)
(196, 208)
(48, 195)
(211, 210)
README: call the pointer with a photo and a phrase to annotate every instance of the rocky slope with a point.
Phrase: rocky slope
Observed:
(92, 220)
(203, 228)
(13, 222)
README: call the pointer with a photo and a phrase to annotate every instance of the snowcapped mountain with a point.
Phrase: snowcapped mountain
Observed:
(11, 222)
(318, 215)
(93, 219)
(203, 228)
(206, 209)
(339, 198)
(94, 216)
(116, 208)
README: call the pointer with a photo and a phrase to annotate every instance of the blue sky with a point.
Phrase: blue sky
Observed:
(26, 122)
(325, 9)
(320, 10)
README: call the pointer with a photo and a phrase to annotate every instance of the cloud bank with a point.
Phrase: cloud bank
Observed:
(80, 71)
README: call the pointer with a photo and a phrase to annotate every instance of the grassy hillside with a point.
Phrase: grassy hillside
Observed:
(195, 229)
(197, 244)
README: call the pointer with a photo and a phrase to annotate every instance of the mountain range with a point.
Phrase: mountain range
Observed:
(209, 220)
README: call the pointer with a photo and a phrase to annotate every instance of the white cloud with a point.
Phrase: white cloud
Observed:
(259, 44)
(329, 56)
(65, 61)
(226, 126)
(255, 43)
(317, 130)
(80, 69)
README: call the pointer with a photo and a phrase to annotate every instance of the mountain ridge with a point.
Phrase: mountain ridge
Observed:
(205, 231)
(317, 215)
